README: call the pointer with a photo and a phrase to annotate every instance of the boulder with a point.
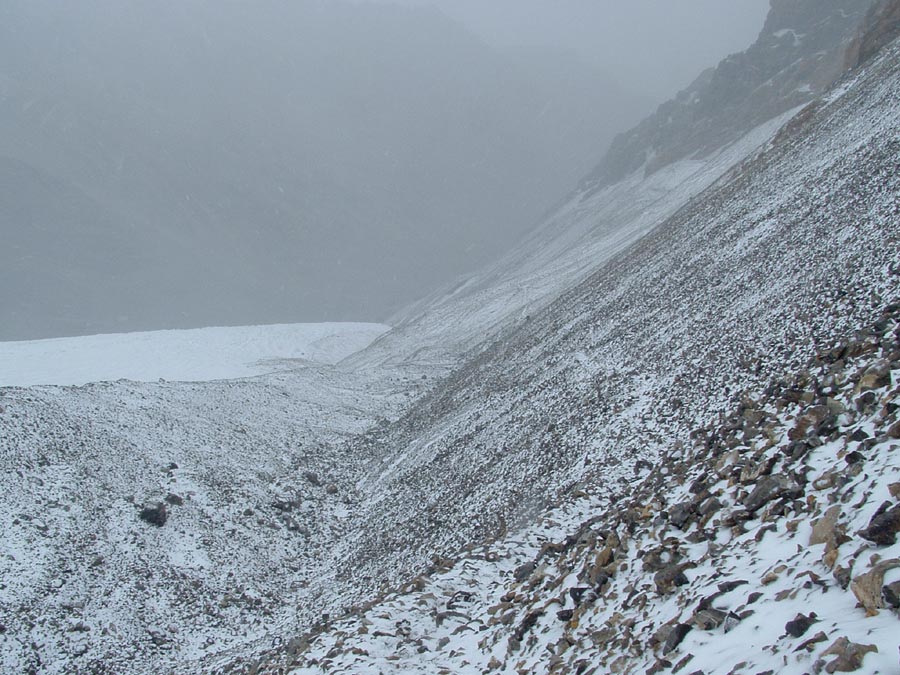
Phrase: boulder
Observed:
(770, 488)
(155, 514)
(849, 656)
(884, 526)
(868, 587)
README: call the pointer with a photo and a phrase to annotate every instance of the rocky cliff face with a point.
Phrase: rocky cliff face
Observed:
(881, 26)
(801, 51)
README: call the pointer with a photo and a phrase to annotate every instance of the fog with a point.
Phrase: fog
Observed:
(653, 46)
(219, 162)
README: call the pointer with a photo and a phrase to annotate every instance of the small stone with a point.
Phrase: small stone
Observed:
(809, 645)
(800, 624)
(174, 500)
(565, 614)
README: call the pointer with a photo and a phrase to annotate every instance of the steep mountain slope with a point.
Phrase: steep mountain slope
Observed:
(752, 261)
(619, 401)
(792, 249)
(225, 153)
(747, 550)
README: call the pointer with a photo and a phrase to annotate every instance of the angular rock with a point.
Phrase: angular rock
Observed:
(565, 614)
(849, 656)
(823, 530)
(666, 580)
(891, 595)
(681, 514)
(876, 376)
(772, 487)
(800, 624)
(709, 619)
(676, 637)
(809, 645)
(883, 527)
(867, 587)
(527, 624)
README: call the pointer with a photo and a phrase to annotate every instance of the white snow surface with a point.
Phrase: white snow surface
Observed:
(197, 355)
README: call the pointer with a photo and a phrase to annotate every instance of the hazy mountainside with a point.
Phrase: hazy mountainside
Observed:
(579, 373)
(226, 152)
(734, 111)
(800, 52)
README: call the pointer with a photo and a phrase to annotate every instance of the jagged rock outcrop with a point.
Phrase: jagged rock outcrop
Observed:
(803, 49)
(881, 26)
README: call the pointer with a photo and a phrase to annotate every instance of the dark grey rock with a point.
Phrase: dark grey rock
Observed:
(676, 637)
(769, 488)
(154, 515)
(800, 624)
(891, 595)
(884, 526)
(681, 514)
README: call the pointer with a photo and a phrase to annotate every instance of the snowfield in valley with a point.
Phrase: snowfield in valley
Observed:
(197, 355)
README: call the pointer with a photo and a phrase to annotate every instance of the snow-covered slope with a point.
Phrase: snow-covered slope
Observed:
(749, 550)
(253, 489)
(180, 355)
(792, 252)
(639, 317)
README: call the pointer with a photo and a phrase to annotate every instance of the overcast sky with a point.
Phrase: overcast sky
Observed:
(655, 46)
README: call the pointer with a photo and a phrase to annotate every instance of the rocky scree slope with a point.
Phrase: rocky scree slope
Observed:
(146, 524)
(792, 250)
(766, 544)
